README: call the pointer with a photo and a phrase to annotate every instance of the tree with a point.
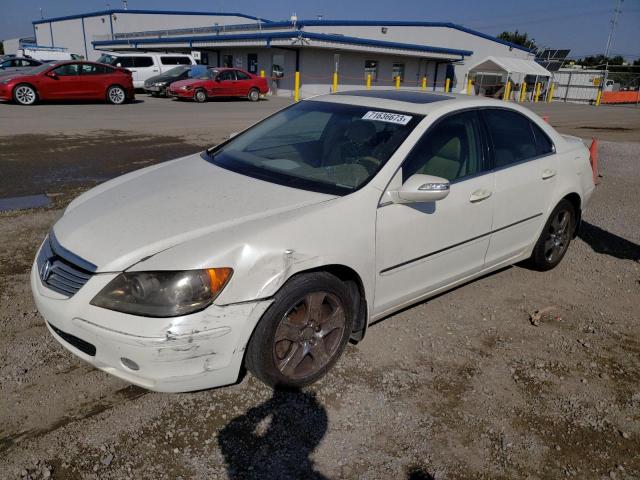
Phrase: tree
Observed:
(519, 39)
(596, 60)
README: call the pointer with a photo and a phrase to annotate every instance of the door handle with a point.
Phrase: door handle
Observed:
(155, 70)
(480, 195)
(548, 173)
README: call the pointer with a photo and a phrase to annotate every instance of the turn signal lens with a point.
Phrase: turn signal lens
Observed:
(218, 278)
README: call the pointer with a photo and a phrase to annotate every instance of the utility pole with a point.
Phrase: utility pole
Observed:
(614, 22)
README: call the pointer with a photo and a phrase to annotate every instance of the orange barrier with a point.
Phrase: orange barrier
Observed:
(621, 97)
(593, 156)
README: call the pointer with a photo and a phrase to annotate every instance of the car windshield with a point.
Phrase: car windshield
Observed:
(38, 69)
(177, 71)
(320, 146)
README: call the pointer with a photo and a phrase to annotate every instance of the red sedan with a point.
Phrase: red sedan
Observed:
(69, 81)
(220, 82)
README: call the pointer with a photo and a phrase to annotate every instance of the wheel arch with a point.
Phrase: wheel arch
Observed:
(575, 200)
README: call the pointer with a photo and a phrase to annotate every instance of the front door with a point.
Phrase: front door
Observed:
(225, 84)
(525, 179)
(66, 84)
(422, 247)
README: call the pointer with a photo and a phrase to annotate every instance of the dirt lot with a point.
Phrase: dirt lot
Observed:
(466, 385)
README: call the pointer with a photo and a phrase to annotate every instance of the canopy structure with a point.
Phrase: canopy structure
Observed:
(510, 66)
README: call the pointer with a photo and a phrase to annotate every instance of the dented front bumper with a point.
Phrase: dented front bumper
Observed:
(179, 354)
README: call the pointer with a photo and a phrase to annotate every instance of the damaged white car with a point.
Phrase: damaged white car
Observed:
(272, 250)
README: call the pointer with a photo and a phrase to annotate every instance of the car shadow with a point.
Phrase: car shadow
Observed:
(602, 241)
(275, 439)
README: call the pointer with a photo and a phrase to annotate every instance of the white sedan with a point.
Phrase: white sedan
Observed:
(273, 249)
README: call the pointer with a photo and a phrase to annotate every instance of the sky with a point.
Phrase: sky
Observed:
(581, 25)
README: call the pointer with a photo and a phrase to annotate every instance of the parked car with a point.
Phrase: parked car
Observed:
(68, 81)
(48, 54)
(275, 247)
(220, 82)
(17, 64)
(159, 84)
(146, 65)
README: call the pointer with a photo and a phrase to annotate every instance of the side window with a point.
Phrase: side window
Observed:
(125, 62)
(175, 60)
(544, 145)
(67, 70)
(242, 75)
(452, 149)
(512, 136)
(142, 62)
(5, 64)
(91, 69)
(227, 75)
(31, 63)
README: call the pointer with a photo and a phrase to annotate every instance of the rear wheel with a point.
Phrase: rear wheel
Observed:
(555, 237)
(303, 333)
(200, 96)
(253, 95)
(116, 95)
(25, 94)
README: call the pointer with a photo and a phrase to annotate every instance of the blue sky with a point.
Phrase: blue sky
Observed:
(581, 25)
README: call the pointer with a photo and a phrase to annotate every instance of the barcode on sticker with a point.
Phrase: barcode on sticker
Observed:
(387, 117)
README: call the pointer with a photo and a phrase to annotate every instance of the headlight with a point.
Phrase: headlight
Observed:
(160, 84)
(163, 294)
(185, 87)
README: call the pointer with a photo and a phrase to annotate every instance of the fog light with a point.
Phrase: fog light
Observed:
(130, 364)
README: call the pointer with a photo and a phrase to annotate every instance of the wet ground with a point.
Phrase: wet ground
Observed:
(473, 384)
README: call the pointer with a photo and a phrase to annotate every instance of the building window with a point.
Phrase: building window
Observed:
(371, 68)
(397, 71)
(227, 61)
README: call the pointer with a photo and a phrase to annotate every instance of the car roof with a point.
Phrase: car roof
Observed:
(410, 100)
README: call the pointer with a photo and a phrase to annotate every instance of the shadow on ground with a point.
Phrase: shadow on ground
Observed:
(275, 439)
(608, 243)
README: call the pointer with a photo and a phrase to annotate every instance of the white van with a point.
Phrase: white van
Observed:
(48, 54)
(146, 65)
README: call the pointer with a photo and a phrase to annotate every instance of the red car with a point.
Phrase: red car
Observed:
(220, 82)
(68, 81)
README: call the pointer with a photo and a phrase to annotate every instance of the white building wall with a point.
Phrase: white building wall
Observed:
(96, 27)
(10, 46)
(68, 34)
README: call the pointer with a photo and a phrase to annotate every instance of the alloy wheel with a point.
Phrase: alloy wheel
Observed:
(308, 335)
(254, 95)
(25, 95)
(116, 95)
(558, 236)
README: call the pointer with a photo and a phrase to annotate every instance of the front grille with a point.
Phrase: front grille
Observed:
(80, 344)
(61, 270)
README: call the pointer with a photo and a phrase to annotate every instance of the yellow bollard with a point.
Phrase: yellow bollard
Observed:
(368, 81)
(296, 87)
(538, 86)
(507, 91)
(598, 97)
(523, 92)
(335, 82)
(469, 86)
(424, 83)
(550, 95)
(397, 82)
(261, 73)
(447, 84)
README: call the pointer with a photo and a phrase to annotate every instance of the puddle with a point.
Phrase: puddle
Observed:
(27, 201)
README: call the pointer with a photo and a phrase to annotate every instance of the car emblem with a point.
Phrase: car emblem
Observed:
(45, 270)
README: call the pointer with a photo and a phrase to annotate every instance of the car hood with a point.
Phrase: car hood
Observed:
(188, 81)
(130, 218)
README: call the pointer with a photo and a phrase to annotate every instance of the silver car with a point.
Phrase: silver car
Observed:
(17, 64)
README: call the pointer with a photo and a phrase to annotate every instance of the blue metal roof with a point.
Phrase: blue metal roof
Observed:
(279, 35)
(152, 12)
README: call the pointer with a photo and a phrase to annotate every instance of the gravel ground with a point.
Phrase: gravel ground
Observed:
(517, 375)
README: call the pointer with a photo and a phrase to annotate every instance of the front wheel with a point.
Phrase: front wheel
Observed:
(200, 96)
(303, 333)
(116, 95)
(555, 237)
(25, 95)
(253, 95)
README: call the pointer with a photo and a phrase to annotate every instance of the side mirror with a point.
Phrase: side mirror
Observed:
(421, 188)
(118, 64)
(53, 75)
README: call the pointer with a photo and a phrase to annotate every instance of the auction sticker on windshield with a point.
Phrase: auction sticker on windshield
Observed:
(387, 117)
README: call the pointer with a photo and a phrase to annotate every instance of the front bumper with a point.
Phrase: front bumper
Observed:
(180, 354)
(5, 92)
(181, 93)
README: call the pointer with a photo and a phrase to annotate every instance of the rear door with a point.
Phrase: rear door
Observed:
(144, 67)
(525, 178)
(94, 79)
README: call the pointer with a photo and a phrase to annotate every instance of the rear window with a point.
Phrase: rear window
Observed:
(242, 75)
(543, 142)
(512, 136)
(141, 62)
(175, 60)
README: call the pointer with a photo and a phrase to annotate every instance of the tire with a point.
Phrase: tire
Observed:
(317, 336)
(116, 95)
(200, 96)
(25, 94)
(253, 95)
(555, 237)
(155, 94)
